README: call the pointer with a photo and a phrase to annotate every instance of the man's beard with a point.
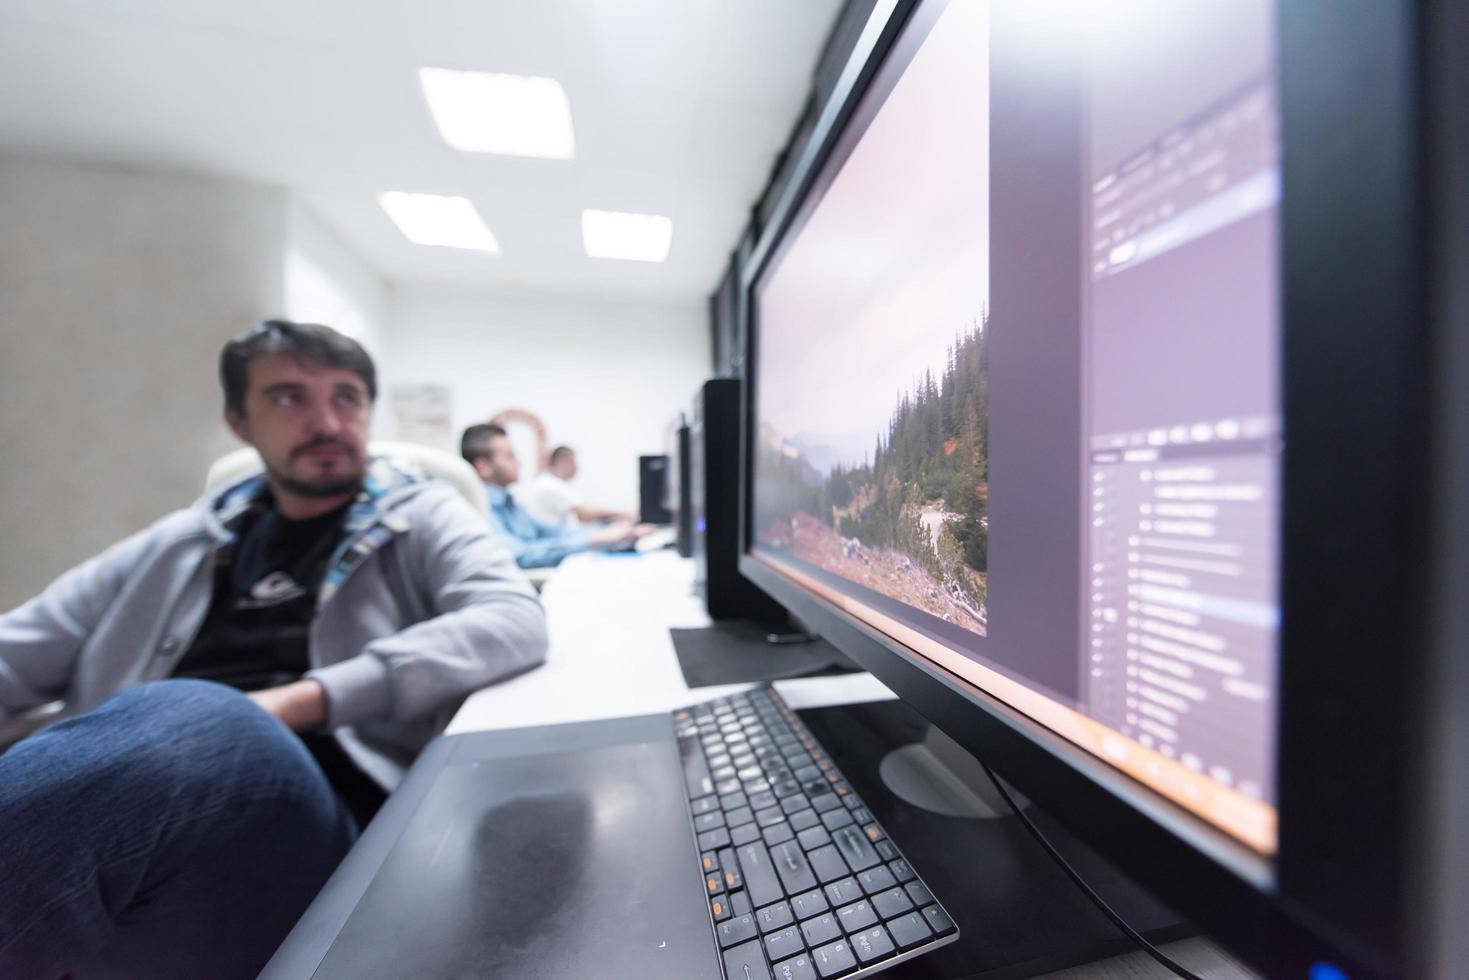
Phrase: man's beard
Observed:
(335, 485)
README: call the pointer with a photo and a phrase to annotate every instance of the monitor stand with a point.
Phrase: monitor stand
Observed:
(1018, 913)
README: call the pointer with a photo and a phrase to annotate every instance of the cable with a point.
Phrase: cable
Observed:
(1071, 873)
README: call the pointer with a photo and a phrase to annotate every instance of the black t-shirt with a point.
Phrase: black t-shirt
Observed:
(257, 632)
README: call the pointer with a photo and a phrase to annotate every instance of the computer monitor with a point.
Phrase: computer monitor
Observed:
(653, 484)
(680, 488)
(1081, 409)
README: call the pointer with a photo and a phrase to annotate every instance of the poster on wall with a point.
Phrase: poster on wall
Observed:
(424, 415)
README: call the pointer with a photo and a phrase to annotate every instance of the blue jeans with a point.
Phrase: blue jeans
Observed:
(175, 831)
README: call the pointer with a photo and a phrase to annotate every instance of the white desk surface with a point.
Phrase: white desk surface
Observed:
(611, 656)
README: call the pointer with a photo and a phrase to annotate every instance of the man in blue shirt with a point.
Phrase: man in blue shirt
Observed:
(533, 543)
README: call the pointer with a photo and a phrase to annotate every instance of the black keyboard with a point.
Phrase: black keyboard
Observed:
(802, 882)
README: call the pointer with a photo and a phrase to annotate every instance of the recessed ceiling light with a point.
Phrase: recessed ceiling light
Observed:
(516, 115)
(428, 219)
(619, 235)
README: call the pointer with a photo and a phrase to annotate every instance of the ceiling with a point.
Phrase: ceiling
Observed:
(679, 107)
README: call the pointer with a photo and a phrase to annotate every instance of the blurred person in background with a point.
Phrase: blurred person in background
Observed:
(534, 544)
(551, 498)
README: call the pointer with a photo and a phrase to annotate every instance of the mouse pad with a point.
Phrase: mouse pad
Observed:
(541, 856)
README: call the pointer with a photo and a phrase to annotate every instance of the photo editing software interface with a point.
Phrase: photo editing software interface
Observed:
(1016, 393)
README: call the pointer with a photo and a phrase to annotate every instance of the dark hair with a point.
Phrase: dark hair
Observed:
(308, 341)
(476, 440)
(559, 452)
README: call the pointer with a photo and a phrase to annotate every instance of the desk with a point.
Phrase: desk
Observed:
(611, 656)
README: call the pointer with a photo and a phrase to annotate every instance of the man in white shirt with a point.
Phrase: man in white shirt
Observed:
(551, 499)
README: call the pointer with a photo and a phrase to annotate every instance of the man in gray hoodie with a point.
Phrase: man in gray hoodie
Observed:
(244, 681)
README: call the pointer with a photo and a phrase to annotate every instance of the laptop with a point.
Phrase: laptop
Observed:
(719, 841)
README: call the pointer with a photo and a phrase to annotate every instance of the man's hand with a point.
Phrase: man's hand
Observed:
(299, 706)
(610, 535)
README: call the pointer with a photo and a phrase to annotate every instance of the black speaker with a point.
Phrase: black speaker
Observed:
(715, 455)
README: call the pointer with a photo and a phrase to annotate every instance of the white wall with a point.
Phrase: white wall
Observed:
(326, 282)
(606, 377)
(117, 290)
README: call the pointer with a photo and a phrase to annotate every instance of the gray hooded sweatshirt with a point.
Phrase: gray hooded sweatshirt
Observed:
(420, 606)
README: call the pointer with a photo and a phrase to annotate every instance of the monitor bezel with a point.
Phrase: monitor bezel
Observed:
(1347, 78)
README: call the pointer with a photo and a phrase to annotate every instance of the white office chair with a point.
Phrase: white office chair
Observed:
(236, 466)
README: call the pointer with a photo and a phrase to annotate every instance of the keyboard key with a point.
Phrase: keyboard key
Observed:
(747, 960)
(910, 930)
(714, 883)
(836, 818)
(736, 930)
(886, 850)
(861, 815)
(853, 803)
(854, 848)
(759, 873)
(824, 802)
(938, 920)
(719, 907)
(773, 917)
(731, 801)
(769, 816)
(842, 892)
(734, 818)
(813, 837)
(778, 833)
(708, 862)
(826, 862)
(803, 819)
(856, 917)
(762, 800)
(695, 769)
(878, 879)
(732, 877)
(787, 942)
(809, 903)
(799, 968)
(822, 929)
(874, 832)
(704, 804)
(872, 945)
(739, 903)
(918, 893)
(722, 772)
(794, 803)
(805, 773)
(833, 960)
(730, 785)
(744, 833)
(708, 821)
(790, 863)
(892, 902)
(901, 871)
(711, 840)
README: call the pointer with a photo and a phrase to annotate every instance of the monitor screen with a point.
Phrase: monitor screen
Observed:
(1015, 390)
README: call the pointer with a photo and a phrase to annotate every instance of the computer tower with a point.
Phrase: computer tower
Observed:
(653, 490)
(714, 449)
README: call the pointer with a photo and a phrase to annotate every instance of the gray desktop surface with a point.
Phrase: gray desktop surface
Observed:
(532, 853)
